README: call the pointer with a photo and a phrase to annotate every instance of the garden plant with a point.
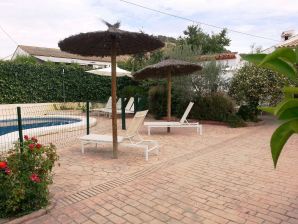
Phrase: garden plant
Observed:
(25, 177)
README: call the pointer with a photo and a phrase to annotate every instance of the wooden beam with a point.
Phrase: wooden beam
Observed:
(169, 98)
(114, 96)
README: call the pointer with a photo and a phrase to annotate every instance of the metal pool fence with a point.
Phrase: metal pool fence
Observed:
(57, 123)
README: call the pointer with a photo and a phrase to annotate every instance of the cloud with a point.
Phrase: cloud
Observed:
(44, 23)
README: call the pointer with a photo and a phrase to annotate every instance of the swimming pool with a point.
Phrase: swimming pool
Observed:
(7, 126)
(40, 126)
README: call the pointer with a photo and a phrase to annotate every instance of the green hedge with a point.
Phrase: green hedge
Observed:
(36, 83)
(214, 107)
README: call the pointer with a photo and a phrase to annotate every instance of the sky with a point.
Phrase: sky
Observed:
(44, 23)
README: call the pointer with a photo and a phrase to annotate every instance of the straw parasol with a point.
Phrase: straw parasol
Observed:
(112, 42)
(167, 69)
(108, 70)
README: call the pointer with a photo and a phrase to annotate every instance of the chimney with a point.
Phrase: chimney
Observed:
(286, 35)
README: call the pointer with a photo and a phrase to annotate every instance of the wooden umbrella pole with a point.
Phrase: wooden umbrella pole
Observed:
(169, 98)
(114, 95)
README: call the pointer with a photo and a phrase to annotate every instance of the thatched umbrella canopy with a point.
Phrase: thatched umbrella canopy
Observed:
(167, 69)
(112, 42)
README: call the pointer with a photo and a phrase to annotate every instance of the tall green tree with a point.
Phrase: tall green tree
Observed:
(208, 44)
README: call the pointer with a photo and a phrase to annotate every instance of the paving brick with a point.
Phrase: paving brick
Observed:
(98, 219)
(132, 219)
(160, 216)
(116, 219)
(118, 211)
(102, 211)
(131, 210)
(156, 221)
(145, 217)
(268, 218)
(293, 214)
(224, 177)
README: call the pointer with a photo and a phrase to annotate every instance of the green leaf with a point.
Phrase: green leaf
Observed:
(284, 106)
(282, 67)
(270, 110)
(281, 136)
(292, 90)
(296, 51)
(279, 105)
(289, 114)
(286, 54)
(253, 58)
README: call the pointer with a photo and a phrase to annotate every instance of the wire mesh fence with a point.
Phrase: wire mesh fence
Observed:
(57, 123)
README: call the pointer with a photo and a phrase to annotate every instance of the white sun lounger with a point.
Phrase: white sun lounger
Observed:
(131, 137)
(107, 106)
(183, 123)
(107, 110)
(129, 108)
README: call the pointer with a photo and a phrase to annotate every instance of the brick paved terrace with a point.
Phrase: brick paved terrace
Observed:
(225, 176)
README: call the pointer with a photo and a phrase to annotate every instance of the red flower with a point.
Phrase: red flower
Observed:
(3, 165)
(31, 146)
(34, 139)
(35, 178)
(26, 137)
(38, 146)
(7, 171)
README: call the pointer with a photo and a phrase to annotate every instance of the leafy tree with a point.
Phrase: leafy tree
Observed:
(182, 51)
(167, 39)
(197, 39)
(284, 61)
(136, 62)
(139, 61)
(211, 79)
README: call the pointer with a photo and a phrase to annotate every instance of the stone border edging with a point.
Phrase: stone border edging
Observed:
(33, 215)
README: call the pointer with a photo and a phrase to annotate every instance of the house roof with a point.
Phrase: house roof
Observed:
(292, 42)
(57, 53)
(217, 57)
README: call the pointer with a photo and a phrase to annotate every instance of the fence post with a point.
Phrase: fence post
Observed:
(123, 114)
(20, 127)
(87, 118)
(136, 103)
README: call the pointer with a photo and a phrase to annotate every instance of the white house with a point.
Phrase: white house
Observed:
(43, 54)
(288, 39)
(231, 61)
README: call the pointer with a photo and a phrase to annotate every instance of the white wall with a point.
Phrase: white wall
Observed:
(96, 64)
(19, 52)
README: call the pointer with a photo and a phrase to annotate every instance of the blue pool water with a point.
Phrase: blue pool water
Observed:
(7, 126)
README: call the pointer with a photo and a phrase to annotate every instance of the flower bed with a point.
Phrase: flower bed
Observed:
(25, 177)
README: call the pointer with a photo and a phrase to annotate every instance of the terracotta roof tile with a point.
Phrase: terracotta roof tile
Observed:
(221, 56)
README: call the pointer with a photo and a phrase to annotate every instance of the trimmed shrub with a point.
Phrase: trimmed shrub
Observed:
(25, 177)
(248, 113)
(36, 83)
(215, 107)
(131, 91)
(157, 100)
(235, 121)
